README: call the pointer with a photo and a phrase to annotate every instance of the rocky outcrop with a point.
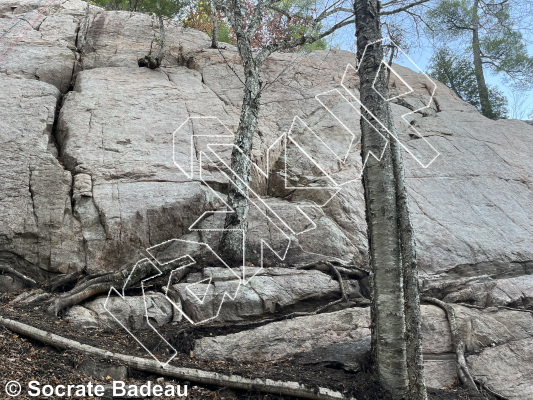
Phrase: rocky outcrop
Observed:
(116, 130)
(100, 160)
(282, 339)
(492, 338)
(131, 312)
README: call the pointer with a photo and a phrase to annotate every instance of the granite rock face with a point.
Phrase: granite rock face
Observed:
(117, 129)
(101, 160)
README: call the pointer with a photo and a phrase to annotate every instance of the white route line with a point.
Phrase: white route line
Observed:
(255, 200)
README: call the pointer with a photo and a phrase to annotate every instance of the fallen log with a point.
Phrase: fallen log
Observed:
(196, 375)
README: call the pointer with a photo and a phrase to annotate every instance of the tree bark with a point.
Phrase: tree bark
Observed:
(162, 49)
(486, 107)
(84, 28)
(232, 244)
(388, 321)
(413, 324)
(214, 35)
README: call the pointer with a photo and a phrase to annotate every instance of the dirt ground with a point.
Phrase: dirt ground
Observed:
(23, 359)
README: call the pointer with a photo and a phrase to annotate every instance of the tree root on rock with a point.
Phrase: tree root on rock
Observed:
(97, 284)
(204, 377)
(27, 280)
(458, 345)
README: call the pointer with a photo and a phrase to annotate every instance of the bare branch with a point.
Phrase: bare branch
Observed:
(405, 8)
(305, 39)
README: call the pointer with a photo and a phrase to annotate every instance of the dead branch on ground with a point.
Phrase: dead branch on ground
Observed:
(195, 375)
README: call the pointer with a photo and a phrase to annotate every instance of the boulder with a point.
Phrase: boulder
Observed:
(506, 369)
(218, 293)
(82, 317)
(130, 311)
(282, 339)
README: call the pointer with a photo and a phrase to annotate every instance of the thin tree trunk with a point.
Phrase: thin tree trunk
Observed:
(388, 322)
(162, 50)
(413, 324)
(214, 35)
(486, 107)
(232, 244)
(84, 28)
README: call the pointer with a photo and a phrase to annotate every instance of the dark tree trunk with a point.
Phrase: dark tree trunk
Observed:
(232, 244)
(486, 106)
(388, 321)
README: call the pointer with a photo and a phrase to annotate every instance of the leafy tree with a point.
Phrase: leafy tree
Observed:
(165, 8)
(290, 21)
(245, 23)
(458, 73)
(495, 39)
(200, 17)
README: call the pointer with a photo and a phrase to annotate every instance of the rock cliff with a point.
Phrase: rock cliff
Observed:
(91, 149)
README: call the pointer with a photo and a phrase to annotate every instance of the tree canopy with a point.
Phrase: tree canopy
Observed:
(457, 72)
(166, 8)
(494, 34)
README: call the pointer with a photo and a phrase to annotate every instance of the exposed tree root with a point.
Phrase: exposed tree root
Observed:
(97, 284)
(484, 387)
(195, 375)
(462, 368)
(323, 266)
(27, 280)
(498, 307)
(344, 297)
(52, 284)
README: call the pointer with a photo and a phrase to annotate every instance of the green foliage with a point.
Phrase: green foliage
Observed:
(199, 17)
(166, 8)
(503, 48)
(457, 72)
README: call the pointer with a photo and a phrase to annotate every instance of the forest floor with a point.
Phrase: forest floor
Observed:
(23, 359)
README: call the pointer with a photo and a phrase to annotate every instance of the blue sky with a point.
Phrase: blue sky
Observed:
(421, 56)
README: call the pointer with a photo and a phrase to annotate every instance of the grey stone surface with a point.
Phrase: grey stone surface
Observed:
(271, 291)
(350, 356)
(117, 126)
(10, 284)
(47, 50)
(285, 338)
(102, 369)
(82, 317)
(506, 369)
(115, 190)
(130, 312)
(39, 234)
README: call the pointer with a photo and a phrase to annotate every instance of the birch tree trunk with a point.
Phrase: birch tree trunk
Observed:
(232, 244)
(413, 319)
(388, 320)
(214, 35)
